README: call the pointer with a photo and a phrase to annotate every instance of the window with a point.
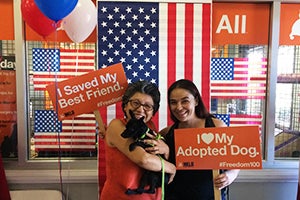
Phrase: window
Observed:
(8, 109)
(287, 115)
(238, 94)
(49, 138)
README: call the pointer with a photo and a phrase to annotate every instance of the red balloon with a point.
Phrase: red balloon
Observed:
(36, 19)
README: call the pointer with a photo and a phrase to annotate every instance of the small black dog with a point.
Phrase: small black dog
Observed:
(137, 129)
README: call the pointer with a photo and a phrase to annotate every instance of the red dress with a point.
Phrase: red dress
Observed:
(121, 174)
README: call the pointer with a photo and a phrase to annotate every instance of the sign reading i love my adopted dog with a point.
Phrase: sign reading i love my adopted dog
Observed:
(218, 148)
(88, 92)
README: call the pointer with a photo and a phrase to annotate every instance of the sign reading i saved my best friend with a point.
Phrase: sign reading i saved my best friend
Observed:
(218, 148)
(88, 92)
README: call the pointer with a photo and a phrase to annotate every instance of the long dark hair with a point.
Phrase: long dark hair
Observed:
(188, 85)
(144, 87)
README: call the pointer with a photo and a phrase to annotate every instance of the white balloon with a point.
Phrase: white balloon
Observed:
(81, 22)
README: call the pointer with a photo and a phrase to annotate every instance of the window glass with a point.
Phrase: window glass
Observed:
(287, 115)
(238, 84)
(8, 108)
(49, 63)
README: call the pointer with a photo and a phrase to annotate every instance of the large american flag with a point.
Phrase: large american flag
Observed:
(55, 65)
(238, 78)
(77, 134)
(159, 42)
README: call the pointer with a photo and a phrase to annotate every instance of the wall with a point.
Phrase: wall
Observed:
(266, 184)
(263, 191)
(72, 191)
(238, 190)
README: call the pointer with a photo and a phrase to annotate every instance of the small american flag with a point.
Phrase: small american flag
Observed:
(158, 42)
(238, 78)
(55, 65)
(50, 134)
(241, 119)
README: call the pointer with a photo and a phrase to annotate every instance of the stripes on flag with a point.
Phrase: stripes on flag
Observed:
(55, 65)
(77, 134)
(158, 42)
(239, 78)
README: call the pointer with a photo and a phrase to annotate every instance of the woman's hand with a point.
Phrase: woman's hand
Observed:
(172, 175)
(158, 146)
(226, 178)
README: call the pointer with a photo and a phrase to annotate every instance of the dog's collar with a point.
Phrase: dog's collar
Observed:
(159, 137)
(144, 135)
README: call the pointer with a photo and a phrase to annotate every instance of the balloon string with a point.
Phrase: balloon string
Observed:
(77, 59)
(56, 47)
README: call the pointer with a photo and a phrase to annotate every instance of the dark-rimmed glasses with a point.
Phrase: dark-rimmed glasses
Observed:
(136, 104)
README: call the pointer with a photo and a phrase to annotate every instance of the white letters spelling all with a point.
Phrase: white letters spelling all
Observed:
(225, 25)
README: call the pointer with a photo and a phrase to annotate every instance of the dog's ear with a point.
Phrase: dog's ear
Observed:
(132, 114)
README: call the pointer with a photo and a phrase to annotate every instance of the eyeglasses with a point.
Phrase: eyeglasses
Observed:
(136, 104)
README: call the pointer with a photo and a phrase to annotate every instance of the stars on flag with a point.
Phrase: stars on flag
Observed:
(128, 33)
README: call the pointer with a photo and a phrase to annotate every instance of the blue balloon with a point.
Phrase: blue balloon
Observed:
(56, 9)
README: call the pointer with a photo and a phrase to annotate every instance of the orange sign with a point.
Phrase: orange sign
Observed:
(7, 20)
(218, 148)
(8, 106)
(290, 24)
(86, 93)
(240, 23)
